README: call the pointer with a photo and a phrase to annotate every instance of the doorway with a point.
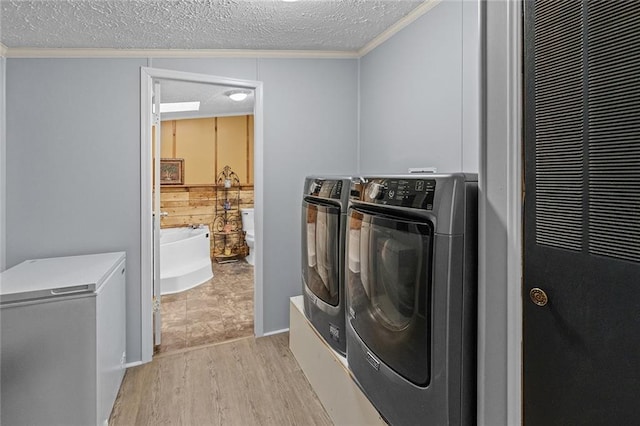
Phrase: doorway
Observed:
(150, 228)
(206, 201)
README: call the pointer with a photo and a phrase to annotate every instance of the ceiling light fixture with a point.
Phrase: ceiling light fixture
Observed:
(237, 95)
(178, 107)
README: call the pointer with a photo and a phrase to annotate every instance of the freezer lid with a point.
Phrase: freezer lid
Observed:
(57, 277)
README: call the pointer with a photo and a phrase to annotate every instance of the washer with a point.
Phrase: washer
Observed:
(324, 209)
(411, 296)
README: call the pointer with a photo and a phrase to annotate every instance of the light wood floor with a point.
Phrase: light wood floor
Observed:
(244, 382)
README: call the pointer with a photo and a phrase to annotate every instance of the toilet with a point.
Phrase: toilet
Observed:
(247, 226)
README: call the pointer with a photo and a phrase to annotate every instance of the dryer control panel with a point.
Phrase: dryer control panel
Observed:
(401, 192)
(325, 188)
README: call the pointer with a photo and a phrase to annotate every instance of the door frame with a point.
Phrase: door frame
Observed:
(500, 215)
(147, 75)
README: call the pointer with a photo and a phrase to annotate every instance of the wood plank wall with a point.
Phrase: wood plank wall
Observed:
(196, 204)
(207, 145)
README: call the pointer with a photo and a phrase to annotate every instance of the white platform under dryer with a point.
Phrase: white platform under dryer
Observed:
(327, 373)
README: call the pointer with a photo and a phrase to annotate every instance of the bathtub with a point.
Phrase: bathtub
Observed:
(184, 258)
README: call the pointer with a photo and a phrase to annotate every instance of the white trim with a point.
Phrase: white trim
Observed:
(258, 202)
(156, 147)
(398, 26)
(146, 77)
(190, 116)
(500, 217)
(514, 214)
(358, 118)
(3, 50)
(29, 52)
(146, 220)
(133, 364)
(271, 333)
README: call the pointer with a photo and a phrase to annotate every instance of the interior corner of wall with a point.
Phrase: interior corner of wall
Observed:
(3, 162)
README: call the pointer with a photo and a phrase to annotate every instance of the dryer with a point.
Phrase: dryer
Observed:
(324, 208)
(411, 280)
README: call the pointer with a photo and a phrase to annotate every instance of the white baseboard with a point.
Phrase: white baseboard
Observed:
(271, 333)
(133, 364)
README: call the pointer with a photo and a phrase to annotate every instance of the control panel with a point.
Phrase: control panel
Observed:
(326, 188)
(401, 192)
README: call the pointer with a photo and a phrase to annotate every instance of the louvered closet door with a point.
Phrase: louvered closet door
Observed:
(581, 294)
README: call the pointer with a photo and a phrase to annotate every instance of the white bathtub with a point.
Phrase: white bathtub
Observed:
(185, 260)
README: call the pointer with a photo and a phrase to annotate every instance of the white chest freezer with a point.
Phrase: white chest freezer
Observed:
(62, 348)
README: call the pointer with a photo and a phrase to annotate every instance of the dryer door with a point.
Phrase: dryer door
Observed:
(389, 286)
(321, 250)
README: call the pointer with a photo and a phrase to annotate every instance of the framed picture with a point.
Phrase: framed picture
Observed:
(171, 171)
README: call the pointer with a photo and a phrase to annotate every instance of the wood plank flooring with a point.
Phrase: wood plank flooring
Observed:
(244, 382)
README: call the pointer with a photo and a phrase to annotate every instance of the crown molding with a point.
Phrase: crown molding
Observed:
(395, 28)
(173, 53)
(3, 50)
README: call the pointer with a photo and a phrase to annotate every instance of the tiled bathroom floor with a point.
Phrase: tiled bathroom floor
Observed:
(220, 309)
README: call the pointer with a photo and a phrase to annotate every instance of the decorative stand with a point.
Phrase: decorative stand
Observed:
(228, 235)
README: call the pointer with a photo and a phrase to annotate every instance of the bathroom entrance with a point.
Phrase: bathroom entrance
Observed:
(203, 178)
(206, 204)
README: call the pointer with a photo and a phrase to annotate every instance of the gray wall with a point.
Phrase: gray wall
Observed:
(2, 165)
(412, 91)
(73, 174)
(73, 169)
(318, 137)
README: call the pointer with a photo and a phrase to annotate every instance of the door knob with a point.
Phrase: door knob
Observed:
(538, 296)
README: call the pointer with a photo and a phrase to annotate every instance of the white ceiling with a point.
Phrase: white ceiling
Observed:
(213, 101)
(310, 25)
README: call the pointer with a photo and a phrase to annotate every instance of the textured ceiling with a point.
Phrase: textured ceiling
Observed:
(328, 25)
(213, 101)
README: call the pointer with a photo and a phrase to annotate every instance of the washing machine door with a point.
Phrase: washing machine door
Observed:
(389, 287)
(320, 250)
